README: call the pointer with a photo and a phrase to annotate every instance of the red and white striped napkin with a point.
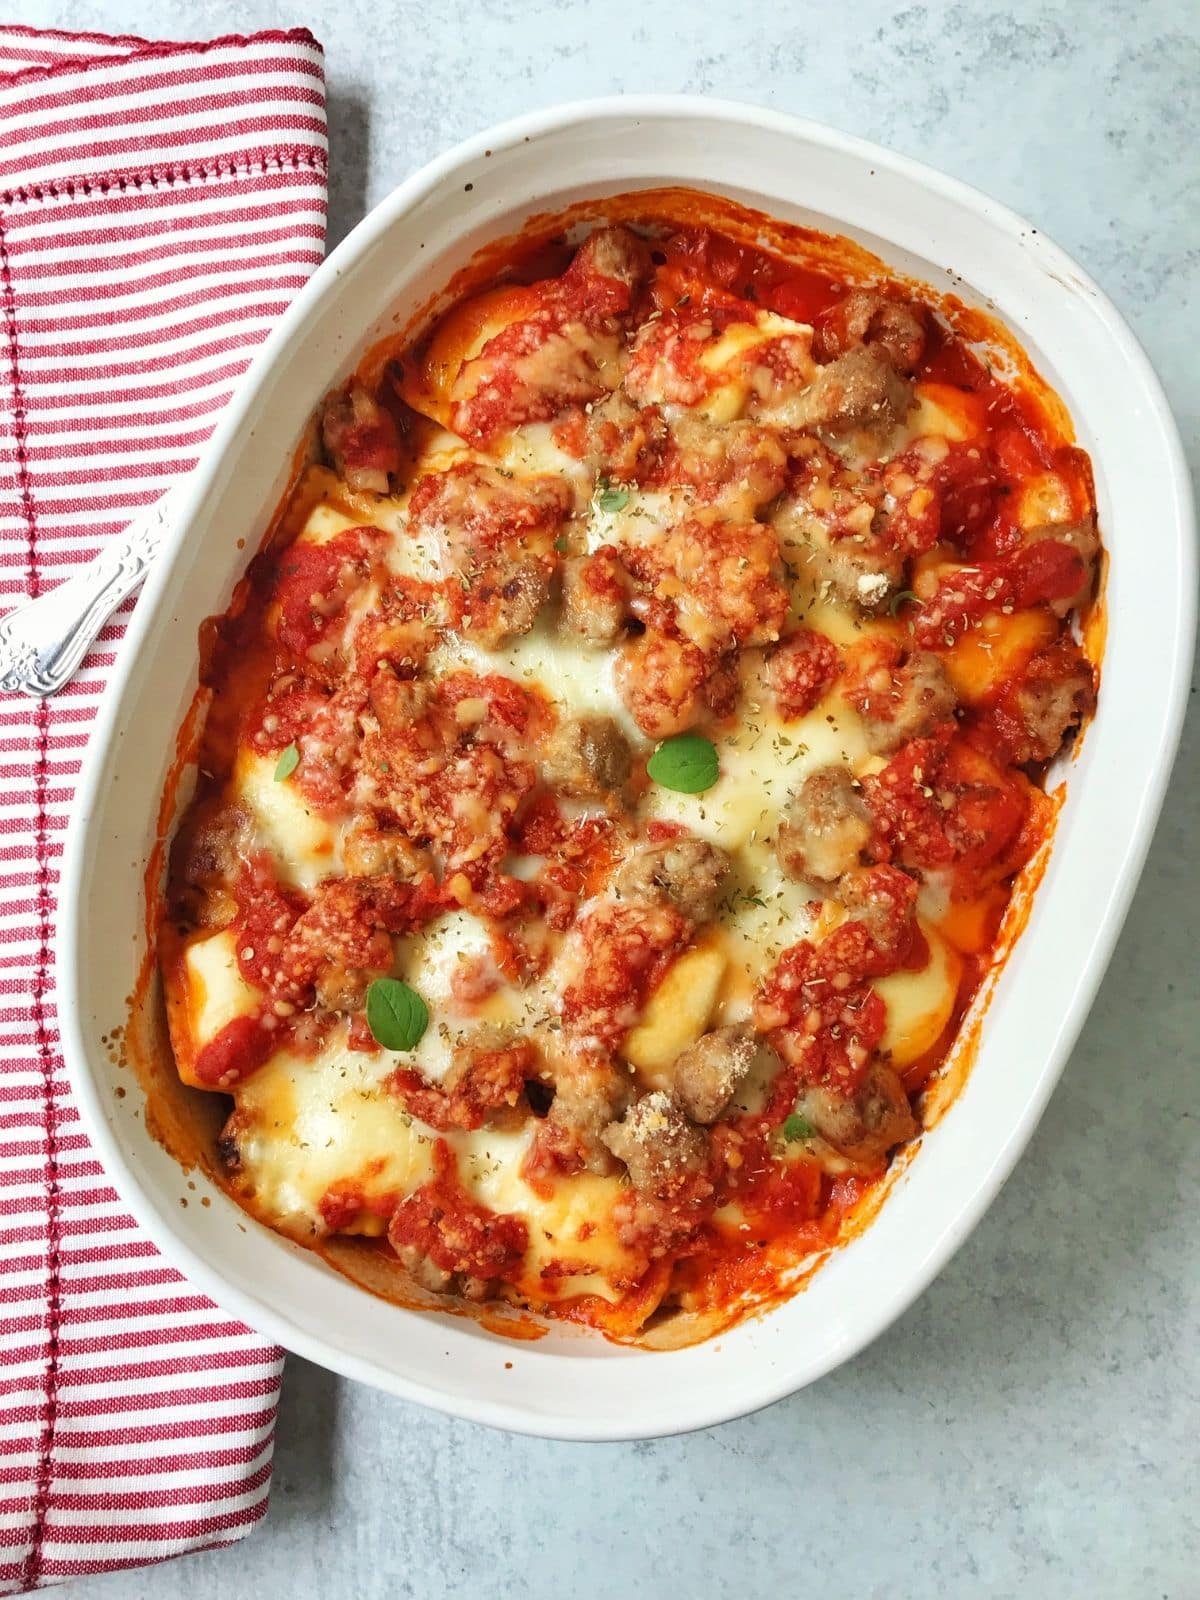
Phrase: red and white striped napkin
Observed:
(160, 204)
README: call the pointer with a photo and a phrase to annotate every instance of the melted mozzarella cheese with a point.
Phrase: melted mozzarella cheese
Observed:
(635, 517)
(919, 1004)
(531, 448)
(579, 680)
(762, 913)
(847, 628)
(525, 452)
(1045, 499)
(305, 846)
(940, 414)
(732, 353)
(308, 1125)
(404, 556)
(528, 451)
(205, 992)
(407, 554)
(324, 522)
(943, 412)
(429, 962)
(305, 1124)
(676, 1013)
(571, 1226)
(216, 991)
(762, 763)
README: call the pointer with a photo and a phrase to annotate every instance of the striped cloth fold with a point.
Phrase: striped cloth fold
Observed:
(160, 204)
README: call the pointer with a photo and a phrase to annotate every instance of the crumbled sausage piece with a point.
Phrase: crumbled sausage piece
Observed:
(206, 857)
(858, 570)
(497, 537)
(866, 1125)
(585, 1100)
(342, 988)
(229, 1149)
(896, 327)
(729, 585)
(722, 684)
(884, 900)
(723, 460)
(368, 851)
(588, 1094)
(595, 596)
(663, 1151)
(504, 600)
(485, 1083)
(624, 442)
(428, 1275)
(846, 558)
(361, 439)
(473, 505)
(686, 871)
(661, 680)
(587, 757)
(800, 670)
(706, 1075)
(398, 703)
(613, 253)
(423, 1271)
(861, 389)
(338, 945)
(1056, 692)
(905, 703)
(1084, 540)
(824, 828)
(404, 627)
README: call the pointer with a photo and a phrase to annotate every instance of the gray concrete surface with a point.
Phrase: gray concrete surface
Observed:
(1030, 1427)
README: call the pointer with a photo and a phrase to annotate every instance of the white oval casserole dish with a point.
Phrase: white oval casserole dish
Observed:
(567, 1384)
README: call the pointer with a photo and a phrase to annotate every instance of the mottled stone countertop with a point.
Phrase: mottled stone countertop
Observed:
(1031, 1427)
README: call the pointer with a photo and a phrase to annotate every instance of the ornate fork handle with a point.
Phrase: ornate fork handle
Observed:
(42, 642)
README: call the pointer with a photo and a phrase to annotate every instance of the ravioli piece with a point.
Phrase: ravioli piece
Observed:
(303, 844)
(920, 1004)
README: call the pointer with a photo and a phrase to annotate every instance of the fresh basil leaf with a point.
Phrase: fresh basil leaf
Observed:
(797, 1127)
(687, 763)
(287, 763)
(903, 598)
(612, 499)
(396, 1014)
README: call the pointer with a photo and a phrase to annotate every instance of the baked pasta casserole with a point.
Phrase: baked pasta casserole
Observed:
(615, 769)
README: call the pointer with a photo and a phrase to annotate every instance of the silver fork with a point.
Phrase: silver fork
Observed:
(43, 641)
